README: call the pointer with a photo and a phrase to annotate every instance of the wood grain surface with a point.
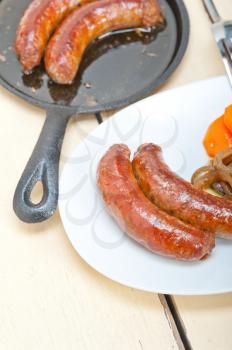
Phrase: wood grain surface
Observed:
(50, 298)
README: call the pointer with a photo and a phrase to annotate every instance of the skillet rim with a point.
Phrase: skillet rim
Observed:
(184, 24)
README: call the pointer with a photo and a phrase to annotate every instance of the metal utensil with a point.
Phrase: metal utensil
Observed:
(115, 72)
(222, 31)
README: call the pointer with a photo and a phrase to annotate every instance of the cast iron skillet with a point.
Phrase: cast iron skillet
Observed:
(116, 71)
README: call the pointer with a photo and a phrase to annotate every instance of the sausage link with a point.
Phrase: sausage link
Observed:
(177, 196)
(80, 28)
(36, 26)
(139, 218)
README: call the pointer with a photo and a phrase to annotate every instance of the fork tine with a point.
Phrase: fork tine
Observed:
(226, 57)
(222, 31)
(228, 43)
(212, 11)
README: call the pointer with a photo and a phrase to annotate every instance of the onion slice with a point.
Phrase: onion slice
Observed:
(217, 175)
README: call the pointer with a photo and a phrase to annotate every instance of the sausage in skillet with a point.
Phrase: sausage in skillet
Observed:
(82, 26)
(36, 26)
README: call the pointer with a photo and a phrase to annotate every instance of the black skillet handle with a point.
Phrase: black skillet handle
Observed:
(43, 166)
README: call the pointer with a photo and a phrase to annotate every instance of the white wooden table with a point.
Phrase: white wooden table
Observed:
(49, 297)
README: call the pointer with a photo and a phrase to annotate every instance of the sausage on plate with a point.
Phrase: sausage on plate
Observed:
(82, 26)
(139, 218)
(178, 197)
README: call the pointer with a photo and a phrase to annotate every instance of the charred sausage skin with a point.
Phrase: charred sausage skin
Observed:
(36, 26)
(82, 26)
(139, 218)
(178, 197)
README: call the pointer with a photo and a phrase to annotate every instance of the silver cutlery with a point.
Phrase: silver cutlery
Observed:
(222, 31)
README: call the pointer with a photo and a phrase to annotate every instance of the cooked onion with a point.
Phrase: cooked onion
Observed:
(205, 177)
(223, 160)
(217, 175)
(223, 189)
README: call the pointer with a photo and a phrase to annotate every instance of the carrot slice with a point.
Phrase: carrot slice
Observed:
(217, 138)
(228, 118)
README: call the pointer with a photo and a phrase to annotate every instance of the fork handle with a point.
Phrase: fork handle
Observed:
(212, 11)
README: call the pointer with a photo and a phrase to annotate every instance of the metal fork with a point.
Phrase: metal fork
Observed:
(222, 31)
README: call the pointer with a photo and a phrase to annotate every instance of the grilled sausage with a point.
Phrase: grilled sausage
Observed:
(139, 218)
(80, 28)
(36, 26)
(177, 196)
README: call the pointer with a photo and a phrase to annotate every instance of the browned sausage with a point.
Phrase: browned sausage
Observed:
(139, 218)
(36, 26)
(80, 28)
(177, 196)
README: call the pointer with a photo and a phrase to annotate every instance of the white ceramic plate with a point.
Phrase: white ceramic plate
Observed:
(176, 120)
